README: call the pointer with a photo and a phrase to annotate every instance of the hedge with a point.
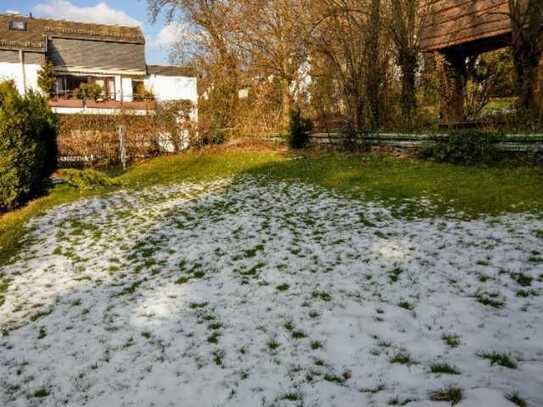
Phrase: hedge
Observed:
(28, 149)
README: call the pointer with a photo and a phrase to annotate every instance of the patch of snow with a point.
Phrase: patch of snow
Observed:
(246, 293)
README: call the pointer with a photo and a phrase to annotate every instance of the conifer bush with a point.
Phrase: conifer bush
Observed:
(28, 148)
(298, 136)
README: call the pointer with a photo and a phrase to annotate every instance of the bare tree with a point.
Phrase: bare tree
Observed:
(373, 64)
(272, 37)
(405, 24)
(214, 26)
(337, 33)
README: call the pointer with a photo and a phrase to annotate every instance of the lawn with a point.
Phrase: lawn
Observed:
(248, 278)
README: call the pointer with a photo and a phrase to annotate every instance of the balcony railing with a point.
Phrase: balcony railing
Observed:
(68, 99)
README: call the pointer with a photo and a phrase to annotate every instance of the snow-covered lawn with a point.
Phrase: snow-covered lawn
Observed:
(248, 293)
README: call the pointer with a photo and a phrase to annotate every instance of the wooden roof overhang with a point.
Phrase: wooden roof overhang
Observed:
(472, 26)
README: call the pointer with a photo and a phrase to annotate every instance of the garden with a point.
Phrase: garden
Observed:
(250, 275)
(239, 260)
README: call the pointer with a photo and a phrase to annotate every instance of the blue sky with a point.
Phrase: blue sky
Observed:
(126, 12)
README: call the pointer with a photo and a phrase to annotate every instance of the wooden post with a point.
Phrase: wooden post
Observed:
(121, 133)
(452, 76)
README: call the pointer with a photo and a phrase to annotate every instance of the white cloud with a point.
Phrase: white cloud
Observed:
(101, 13)
(172, 33)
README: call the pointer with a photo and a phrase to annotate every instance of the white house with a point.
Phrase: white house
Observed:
(110, 56)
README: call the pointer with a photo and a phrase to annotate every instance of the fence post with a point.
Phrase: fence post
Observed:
(121, 133)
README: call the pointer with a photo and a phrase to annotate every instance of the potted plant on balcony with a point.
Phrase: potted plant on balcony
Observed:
(88, 91)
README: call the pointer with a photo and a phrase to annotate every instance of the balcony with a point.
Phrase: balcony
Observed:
(68, 105)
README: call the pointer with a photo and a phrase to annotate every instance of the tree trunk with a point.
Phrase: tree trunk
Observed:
(286, 104)
(526, 69)
(452, 74)
(373, 67)
(409, 95)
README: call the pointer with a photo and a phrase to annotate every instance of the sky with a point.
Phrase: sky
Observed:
(159, 36)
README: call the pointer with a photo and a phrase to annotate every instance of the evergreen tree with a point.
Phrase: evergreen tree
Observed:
(46, 79)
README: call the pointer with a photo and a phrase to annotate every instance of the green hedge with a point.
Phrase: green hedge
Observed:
(28, 146)
(466, 147)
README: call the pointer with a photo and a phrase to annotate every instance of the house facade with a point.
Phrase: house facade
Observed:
(110, 56)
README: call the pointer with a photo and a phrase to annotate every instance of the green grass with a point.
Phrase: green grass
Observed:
(490, 299)
(41, 393)
(443, 368)
(3, 289)
(452, 341)
(452, 394)
(402, 358)
(500, 359)
(472, 190)
(522, 279)
(516, 399)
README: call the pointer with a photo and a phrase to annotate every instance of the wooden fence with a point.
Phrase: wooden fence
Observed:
(507, 142)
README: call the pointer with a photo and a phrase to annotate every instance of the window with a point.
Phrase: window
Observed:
(138, 90)
(17, 25)
(107, 85)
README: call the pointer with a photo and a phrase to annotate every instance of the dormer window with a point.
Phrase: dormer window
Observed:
(17, 25)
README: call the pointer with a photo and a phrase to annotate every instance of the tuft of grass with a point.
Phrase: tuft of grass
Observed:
(316, 345)
(452, 394)
(215, 326)
(516, 399)
(291, 397)
(394, 275)
(402, 358)
(218, 357)
(501, 359)
(334, 378)
(250, 253)
(443, 368)
(452, 341)
(526, 293)
(214, 337)
(198, 305)
(522, 279)
(298, 334)
(4, 285)
(41, 393)
(42, 333)
(323, 295)
(182, 280)
(199, 274)
(490, 299)
(131, 289)
(146, 334)
(88, 179)
(406, 305)
(283, 287)
(273, 344)
(40, 315)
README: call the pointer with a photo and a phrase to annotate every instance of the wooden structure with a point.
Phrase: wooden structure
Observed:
(455, 29)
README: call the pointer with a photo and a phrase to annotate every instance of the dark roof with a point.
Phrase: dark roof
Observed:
(171, 70)
(38, 28)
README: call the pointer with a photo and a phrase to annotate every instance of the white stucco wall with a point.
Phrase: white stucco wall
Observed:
(11, 71)
(128, 92)
(167, 88)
